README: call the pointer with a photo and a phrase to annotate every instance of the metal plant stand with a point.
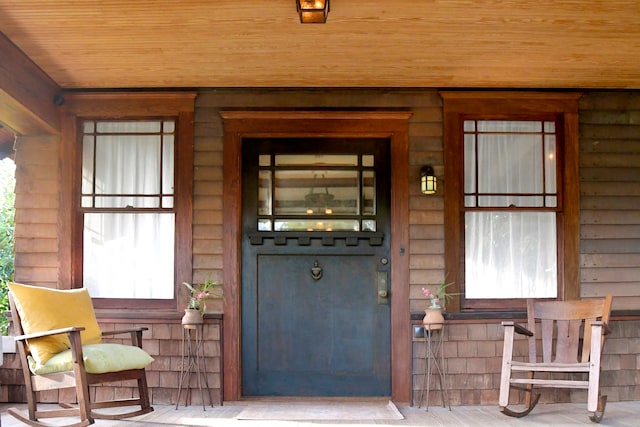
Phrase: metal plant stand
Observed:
(434, 360)
(193, 363)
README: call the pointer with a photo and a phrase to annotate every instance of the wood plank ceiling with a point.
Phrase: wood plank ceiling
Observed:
(393, 43)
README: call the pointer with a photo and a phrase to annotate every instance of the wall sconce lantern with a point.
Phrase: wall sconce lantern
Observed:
(428, 180)
(313, 11)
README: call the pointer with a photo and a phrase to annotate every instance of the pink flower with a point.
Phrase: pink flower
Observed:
(428, 293)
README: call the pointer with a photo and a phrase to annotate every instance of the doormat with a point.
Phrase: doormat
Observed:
(331, 410)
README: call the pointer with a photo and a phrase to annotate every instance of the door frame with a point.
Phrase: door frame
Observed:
(393, 125)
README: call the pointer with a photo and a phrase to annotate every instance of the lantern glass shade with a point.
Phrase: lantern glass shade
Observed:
(313, 11)
(428, 180)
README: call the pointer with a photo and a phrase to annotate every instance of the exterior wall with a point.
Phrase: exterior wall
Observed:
(610, 173)
(37, 210)
(610, 197)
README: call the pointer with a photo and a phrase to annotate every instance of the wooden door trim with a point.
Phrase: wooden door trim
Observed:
(331, 124)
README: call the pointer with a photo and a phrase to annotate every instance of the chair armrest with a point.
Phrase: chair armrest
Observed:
(605, 326)
(124, 331)
(48, 333)
(518, 328)
(135, 333)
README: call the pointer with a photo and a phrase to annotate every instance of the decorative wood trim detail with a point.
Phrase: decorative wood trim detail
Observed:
(382, 124)
(128, 104)
(26, 94)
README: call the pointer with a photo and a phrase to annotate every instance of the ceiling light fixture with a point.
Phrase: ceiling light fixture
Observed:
(319, 202)
(313, 11)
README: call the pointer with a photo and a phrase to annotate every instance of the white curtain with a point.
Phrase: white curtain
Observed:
(508, 254)
(127, 254)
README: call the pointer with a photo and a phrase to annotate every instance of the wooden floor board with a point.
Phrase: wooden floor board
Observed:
(618, 414)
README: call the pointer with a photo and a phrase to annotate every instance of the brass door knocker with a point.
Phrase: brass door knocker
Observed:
(316, 271)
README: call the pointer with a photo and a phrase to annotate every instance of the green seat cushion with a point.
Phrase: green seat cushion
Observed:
(98, 359)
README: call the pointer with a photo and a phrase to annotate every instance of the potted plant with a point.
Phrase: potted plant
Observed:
(197, 305)
(433, 318)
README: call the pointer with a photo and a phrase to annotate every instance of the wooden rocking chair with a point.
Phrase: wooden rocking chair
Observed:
(59, 345)
(572, 337)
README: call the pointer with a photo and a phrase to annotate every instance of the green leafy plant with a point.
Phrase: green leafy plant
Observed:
(440, 297)
(7, 223)
(198, 294)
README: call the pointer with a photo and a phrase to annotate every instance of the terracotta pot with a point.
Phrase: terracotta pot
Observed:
(433, 318)
(192, 317)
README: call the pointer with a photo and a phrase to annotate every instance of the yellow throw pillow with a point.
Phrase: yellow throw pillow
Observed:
(43, 309)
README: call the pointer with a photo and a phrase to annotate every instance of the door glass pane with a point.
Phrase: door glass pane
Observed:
(368, 161)
(316, 192)
(264, 225)
(313, 192)
(369, 225)
(324, 224)
(264, 160)
(316, 160)
(368, 193)
(264, 192)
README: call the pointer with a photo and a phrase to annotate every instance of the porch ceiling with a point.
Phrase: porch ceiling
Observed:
(399, 43)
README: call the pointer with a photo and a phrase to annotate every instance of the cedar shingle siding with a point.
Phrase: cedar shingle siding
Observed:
(610, 235)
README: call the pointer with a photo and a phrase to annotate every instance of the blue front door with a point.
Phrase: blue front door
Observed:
(315, 303)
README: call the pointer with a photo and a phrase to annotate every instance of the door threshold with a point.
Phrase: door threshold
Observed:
(310, 399)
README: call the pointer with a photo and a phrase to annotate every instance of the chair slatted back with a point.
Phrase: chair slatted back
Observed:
(568, 322)
(22, 347)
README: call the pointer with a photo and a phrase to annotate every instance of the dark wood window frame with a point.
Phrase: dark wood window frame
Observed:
(125, 106)
(557, 106)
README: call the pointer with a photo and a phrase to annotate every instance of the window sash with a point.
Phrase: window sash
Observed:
(129, 255)
(128, 164)
(128, 216)
(510, 255)
(510, 163)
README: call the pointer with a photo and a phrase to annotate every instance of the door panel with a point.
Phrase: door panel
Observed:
(315, 333)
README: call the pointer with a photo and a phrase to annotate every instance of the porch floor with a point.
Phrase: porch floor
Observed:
(573, 414)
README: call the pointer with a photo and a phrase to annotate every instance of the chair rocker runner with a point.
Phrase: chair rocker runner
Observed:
(62, 353)
(572, 337)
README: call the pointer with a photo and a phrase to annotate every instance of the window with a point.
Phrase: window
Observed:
(512, 197)
(129, 238)
(510, 209)
(127, 206)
